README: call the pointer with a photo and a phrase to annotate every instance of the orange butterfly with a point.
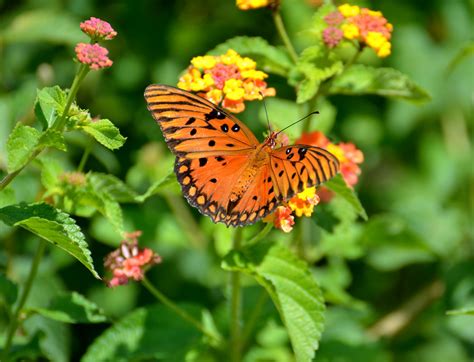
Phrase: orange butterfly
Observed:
(223, 170)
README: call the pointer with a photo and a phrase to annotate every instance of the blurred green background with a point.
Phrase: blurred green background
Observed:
(416, 184)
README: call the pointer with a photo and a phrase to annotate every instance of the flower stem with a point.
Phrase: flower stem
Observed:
(24, 296)
(81, 73)
(257, 309)
(182, 313)
(85, 156)
(236, 305)
(261, 234)
(284, 35)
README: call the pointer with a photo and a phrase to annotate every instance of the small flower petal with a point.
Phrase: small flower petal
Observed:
(93, 55)
(98, 29)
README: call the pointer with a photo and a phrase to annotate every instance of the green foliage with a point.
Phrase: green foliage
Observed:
(52, 225)
(151, 332)
(387, 82)
(268, 57)
(50, 102)
(105, 133)
(463, 311)
(293, 290)
(72, 308)
(21, 145)
(339, 186)
(8, 290)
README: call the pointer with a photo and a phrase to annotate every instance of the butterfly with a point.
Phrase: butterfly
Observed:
(224, 171)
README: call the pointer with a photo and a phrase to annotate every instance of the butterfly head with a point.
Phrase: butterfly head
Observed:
(271, 140)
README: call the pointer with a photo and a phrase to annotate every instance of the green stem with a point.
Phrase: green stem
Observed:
(284, 35)
(182, 313)
(257, 309)
(81, 73)
(261, 234)
(186, 220)
(85, 156)
(58, 125)
(24, 296)
(236, 306)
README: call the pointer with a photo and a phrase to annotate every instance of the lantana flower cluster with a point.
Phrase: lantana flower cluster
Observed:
(368, 27)
(303, 203)
(255, 4)
(93, 54)
(228, 80)
(128, 261)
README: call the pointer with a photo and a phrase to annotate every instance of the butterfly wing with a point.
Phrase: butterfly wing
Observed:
(194, 127)
(297, 167)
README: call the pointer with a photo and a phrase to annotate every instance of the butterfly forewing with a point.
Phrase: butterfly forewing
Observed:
(297, 167)
(193, 126)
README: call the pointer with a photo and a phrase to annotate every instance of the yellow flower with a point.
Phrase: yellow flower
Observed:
(214, 95)
(348, 11)
(246, 64)
(375, 40)
(375, 14)
(204, 62)
(351, 31)
(384, 50)
(233, 89)
(254, 74)
(304, 202)
(336, 151)
(252, 4)
(230, 57)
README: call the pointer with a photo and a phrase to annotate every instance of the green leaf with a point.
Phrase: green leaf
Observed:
(463, 311)
(268, 57)
(52, 225)
(386, 82)
(115, 188)
(314, 66)
(72, 308)
(43, 26)
(391, 244)
(292, 288)
(157, 186)
(339, 186)
(8, 290)
(7, 196)
(105, 133)
(20, 146)
(50, 103)
(52, 138)
(149, 333)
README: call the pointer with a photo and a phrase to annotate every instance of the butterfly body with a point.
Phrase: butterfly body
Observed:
(222, 168)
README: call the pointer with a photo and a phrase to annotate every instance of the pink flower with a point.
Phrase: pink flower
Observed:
(332, 36)
(282, 218)
(93, 55)
(128, 261)
(334, 18)
(98, 29)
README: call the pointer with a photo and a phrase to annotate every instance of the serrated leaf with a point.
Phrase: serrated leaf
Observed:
(157, 186)
(463, 311)
(105, 133)
(20, 146)
(72, 308)
(268, 57)
(52, 225)
(146, 333)
(52, 138)
(292, 288)
(339, 186)
(8, 290)
(43, 26)
(386, 82)
(50, 103)
(51, 169)
(7, 196)
(115, 188)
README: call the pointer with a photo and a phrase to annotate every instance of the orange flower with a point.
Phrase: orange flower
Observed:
(304, 202)
(128, 261)
(227, 79)
(282, 218)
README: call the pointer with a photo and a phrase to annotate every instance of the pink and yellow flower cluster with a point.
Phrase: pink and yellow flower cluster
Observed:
(361, 24)
(128, 261)
(94, 55)
(228, 80)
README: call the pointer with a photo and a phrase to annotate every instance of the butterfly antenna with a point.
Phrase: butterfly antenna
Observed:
(266, 112)
(302, 119)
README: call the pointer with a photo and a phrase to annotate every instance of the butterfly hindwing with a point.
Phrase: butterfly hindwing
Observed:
(193, 126)
(297, 167)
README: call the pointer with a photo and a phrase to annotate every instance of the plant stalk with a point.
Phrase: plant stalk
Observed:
(24, 296)
(284, 35)
(182, 313)
(236, 305)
